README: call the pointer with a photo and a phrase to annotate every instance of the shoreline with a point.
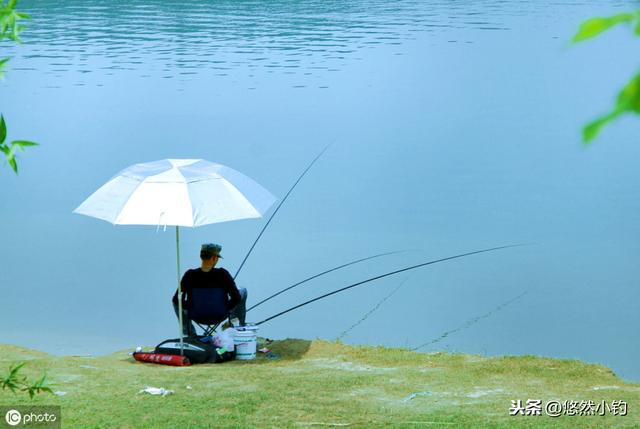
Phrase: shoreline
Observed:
(342, 385)
(126, 351)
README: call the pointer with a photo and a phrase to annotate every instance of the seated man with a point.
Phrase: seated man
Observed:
(218, 282)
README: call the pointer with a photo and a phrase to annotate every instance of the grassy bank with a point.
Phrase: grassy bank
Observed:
(322, 384)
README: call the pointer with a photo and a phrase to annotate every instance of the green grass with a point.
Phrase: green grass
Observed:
(322, 384)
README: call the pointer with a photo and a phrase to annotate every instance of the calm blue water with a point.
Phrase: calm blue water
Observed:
(454, 127)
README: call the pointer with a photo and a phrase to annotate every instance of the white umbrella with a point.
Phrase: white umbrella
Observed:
(180, 192)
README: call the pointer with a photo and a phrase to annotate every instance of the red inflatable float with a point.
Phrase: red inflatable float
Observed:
(162, 359)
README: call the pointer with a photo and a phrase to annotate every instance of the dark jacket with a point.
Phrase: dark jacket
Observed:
(215, 278)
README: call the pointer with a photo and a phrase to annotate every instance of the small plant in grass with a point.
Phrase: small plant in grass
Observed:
(17, 382)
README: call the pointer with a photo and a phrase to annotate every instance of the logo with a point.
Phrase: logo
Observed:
(13, 417)
(185, 346)
(41, 416)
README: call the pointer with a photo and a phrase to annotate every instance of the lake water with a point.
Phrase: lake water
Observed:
(454, 126)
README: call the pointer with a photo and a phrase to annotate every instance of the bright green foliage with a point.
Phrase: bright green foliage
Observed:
(594, 26)
(38, 386)
(12, 380)
(10, 28)
(9, 149)
(15, 382)
(3, 61)
(9, 18)
(628, 100)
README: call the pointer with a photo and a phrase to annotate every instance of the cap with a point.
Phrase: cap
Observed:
(212, 248)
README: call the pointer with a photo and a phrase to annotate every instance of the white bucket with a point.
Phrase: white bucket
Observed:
(245, 341)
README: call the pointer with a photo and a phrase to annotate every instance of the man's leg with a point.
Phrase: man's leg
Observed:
(187, 326)
(240, 311)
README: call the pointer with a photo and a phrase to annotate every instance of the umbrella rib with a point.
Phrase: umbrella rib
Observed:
(204, 179)
(193, 219)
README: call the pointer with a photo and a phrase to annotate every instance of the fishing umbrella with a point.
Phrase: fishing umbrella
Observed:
(177, 192)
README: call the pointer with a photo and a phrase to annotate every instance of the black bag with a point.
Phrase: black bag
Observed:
(222, 355)
(194, 349)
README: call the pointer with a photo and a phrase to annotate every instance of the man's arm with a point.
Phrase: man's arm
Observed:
(184, 283)
(231, 289)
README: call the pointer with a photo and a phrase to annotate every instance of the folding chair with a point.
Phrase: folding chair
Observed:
(208, 308)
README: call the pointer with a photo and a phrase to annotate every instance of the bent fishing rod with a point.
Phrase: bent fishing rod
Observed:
(471, 322)
(321, 274)
(386, 275)
(370, 312)
(278, 208)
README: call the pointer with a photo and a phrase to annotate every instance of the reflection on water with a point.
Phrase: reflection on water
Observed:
(183, 38)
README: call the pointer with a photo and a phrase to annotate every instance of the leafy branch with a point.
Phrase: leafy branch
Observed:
(10, 28)
(9, 25)
(628, 100)
(9, 149)
(17, 382)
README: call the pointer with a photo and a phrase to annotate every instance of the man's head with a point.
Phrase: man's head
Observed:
(209, 251)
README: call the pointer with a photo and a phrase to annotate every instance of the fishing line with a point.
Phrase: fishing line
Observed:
(470, 322)
(323, 273)
(278, 208)
(386, 275)
(346, 331)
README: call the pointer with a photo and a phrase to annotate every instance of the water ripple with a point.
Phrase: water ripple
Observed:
(155, 35)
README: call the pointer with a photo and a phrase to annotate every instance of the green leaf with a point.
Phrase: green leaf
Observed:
(3, 61)
(628, 100)
(23, 143)
(15, 30)
(38, 386)
(629, 96)
(9, 18)
(13, 164)
(14, 378)
(15, 381)
(592, 129)
(10, 386)
(14, 369)
(11, 159)
(3, 129)
(594, 26)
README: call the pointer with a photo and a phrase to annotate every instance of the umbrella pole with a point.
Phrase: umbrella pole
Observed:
(179, 290)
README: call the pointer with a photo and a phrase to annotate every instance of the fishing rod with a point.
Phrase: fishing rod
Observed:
(278, 208)
(471, 321)
(370, 312)
(386, 275)
(321, 274)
